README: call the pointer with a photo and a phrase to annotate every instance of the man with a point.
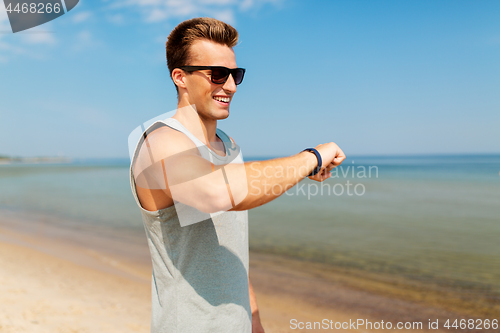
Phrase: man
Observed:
(193, 190)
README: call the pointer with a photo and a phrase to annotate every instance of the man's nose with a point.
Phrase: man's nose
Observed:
(229, 85)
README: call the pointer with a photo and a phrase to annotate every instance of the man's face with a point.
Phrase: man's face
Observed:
(211, 99)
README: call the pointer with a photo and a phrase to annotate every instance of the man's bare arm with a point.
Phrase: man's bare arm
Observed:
(267, 180)
(174, 165)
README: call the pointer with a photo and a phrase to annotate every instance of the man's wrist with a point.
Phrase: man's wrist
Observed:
(308, 163)
(319, 161)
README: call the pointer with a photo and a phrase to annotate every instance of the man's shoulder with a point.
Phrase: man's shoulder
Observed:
(161, 143)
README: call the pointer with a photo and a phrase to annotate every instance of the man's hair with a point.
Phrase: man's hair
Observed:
(186, 33)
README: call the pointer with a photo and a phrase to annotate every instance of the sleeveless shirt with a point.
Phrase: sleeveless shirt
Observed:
(200, 271)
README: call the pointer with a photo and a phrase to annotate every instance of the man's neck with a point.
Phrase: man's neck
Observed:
(203, 129)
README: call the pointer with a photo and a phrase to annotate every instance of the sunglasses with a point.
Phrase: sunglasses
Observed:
(219, 74)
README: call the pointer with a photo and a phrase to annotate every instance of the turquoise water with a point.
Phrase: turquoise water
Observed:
(91, 192)
(434, 219)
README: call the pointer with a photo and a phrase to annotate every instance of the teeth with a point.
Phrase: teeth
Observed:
(222, 99)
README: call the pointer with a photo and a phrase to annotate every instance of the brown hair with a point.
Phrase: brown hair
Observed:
(187, 32)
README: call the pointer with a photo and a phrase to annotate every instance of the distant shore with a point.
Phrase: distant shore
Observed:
(34, 160)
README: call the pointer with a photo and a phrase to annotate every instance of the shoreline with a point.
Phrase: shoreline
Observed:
(447, 302)
(75, 280)
(346, 293)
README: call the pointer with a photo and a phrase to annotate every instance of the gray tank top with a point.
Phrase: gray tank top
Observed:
(200, 271)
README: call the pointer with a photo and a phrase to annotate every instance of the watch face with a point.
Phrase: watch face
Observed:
(26, 14)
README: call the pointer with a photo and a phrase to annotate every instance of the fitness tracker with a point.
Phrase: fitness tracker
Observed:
(320, 162)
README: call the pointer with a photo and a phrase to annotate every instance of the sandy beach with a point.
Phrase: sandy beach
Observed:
(52, 283)
(43, 293)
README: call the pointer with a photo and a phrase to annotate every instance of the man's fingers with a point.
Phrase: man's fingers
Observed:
(339, 158)
(326, 151)
(336, 161)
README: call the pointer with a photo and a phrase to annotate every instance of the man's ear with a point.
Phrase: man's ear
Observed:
(178, 76)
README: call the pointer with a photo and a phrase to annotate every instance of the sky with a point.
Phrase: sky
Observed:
(376, 77)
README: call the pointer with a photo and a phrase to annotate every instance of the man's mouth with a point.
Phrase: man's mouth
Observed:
(222, 99)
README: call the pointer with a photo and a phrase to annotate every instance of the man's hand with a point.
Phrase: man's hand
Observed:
(332, 157)
(256, 324)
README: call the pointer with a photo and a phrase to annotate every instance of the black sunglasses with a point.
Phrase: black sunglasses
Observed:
(219, 74)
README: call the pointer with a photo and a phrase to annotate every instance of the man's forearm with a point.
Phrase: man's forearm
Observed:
(267, 180)
(210, 188)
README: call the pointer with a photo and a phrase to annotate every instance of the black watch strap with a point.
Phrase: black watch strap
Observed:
(320, 162)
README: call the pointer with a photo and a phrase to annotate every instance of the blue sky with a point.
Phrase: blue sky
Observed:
(376, 77)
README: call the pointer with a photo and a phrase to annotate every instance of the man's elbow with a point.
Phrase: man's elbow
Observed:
(206, 194)
(214, 200)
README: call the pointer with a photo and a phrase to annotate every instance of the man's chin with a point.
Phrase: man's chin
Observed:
(221, 113)
(214, 113)
(226, 115)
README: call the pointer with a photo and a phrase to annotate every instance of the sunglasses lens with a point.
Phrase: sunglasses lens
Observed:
(238, 75)
(219, 75)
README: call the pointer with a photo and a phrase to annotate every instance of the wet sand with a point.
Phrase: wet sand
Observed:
(71, 282)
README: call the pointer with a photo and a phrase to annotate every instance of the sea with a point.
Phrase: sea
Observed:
(433, 220)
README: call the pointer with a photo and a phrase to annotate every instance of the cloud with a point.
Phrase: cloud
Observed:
(4, 23)
(81, 17)
(12, 45)
(3, 14)
(161, 10)
(38, 37)
(117, 19)
(225, 16)
(84, 40)
(150, 11)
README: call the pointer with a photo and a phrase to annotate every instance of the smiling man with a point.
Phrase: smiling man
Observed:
(192, 186)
